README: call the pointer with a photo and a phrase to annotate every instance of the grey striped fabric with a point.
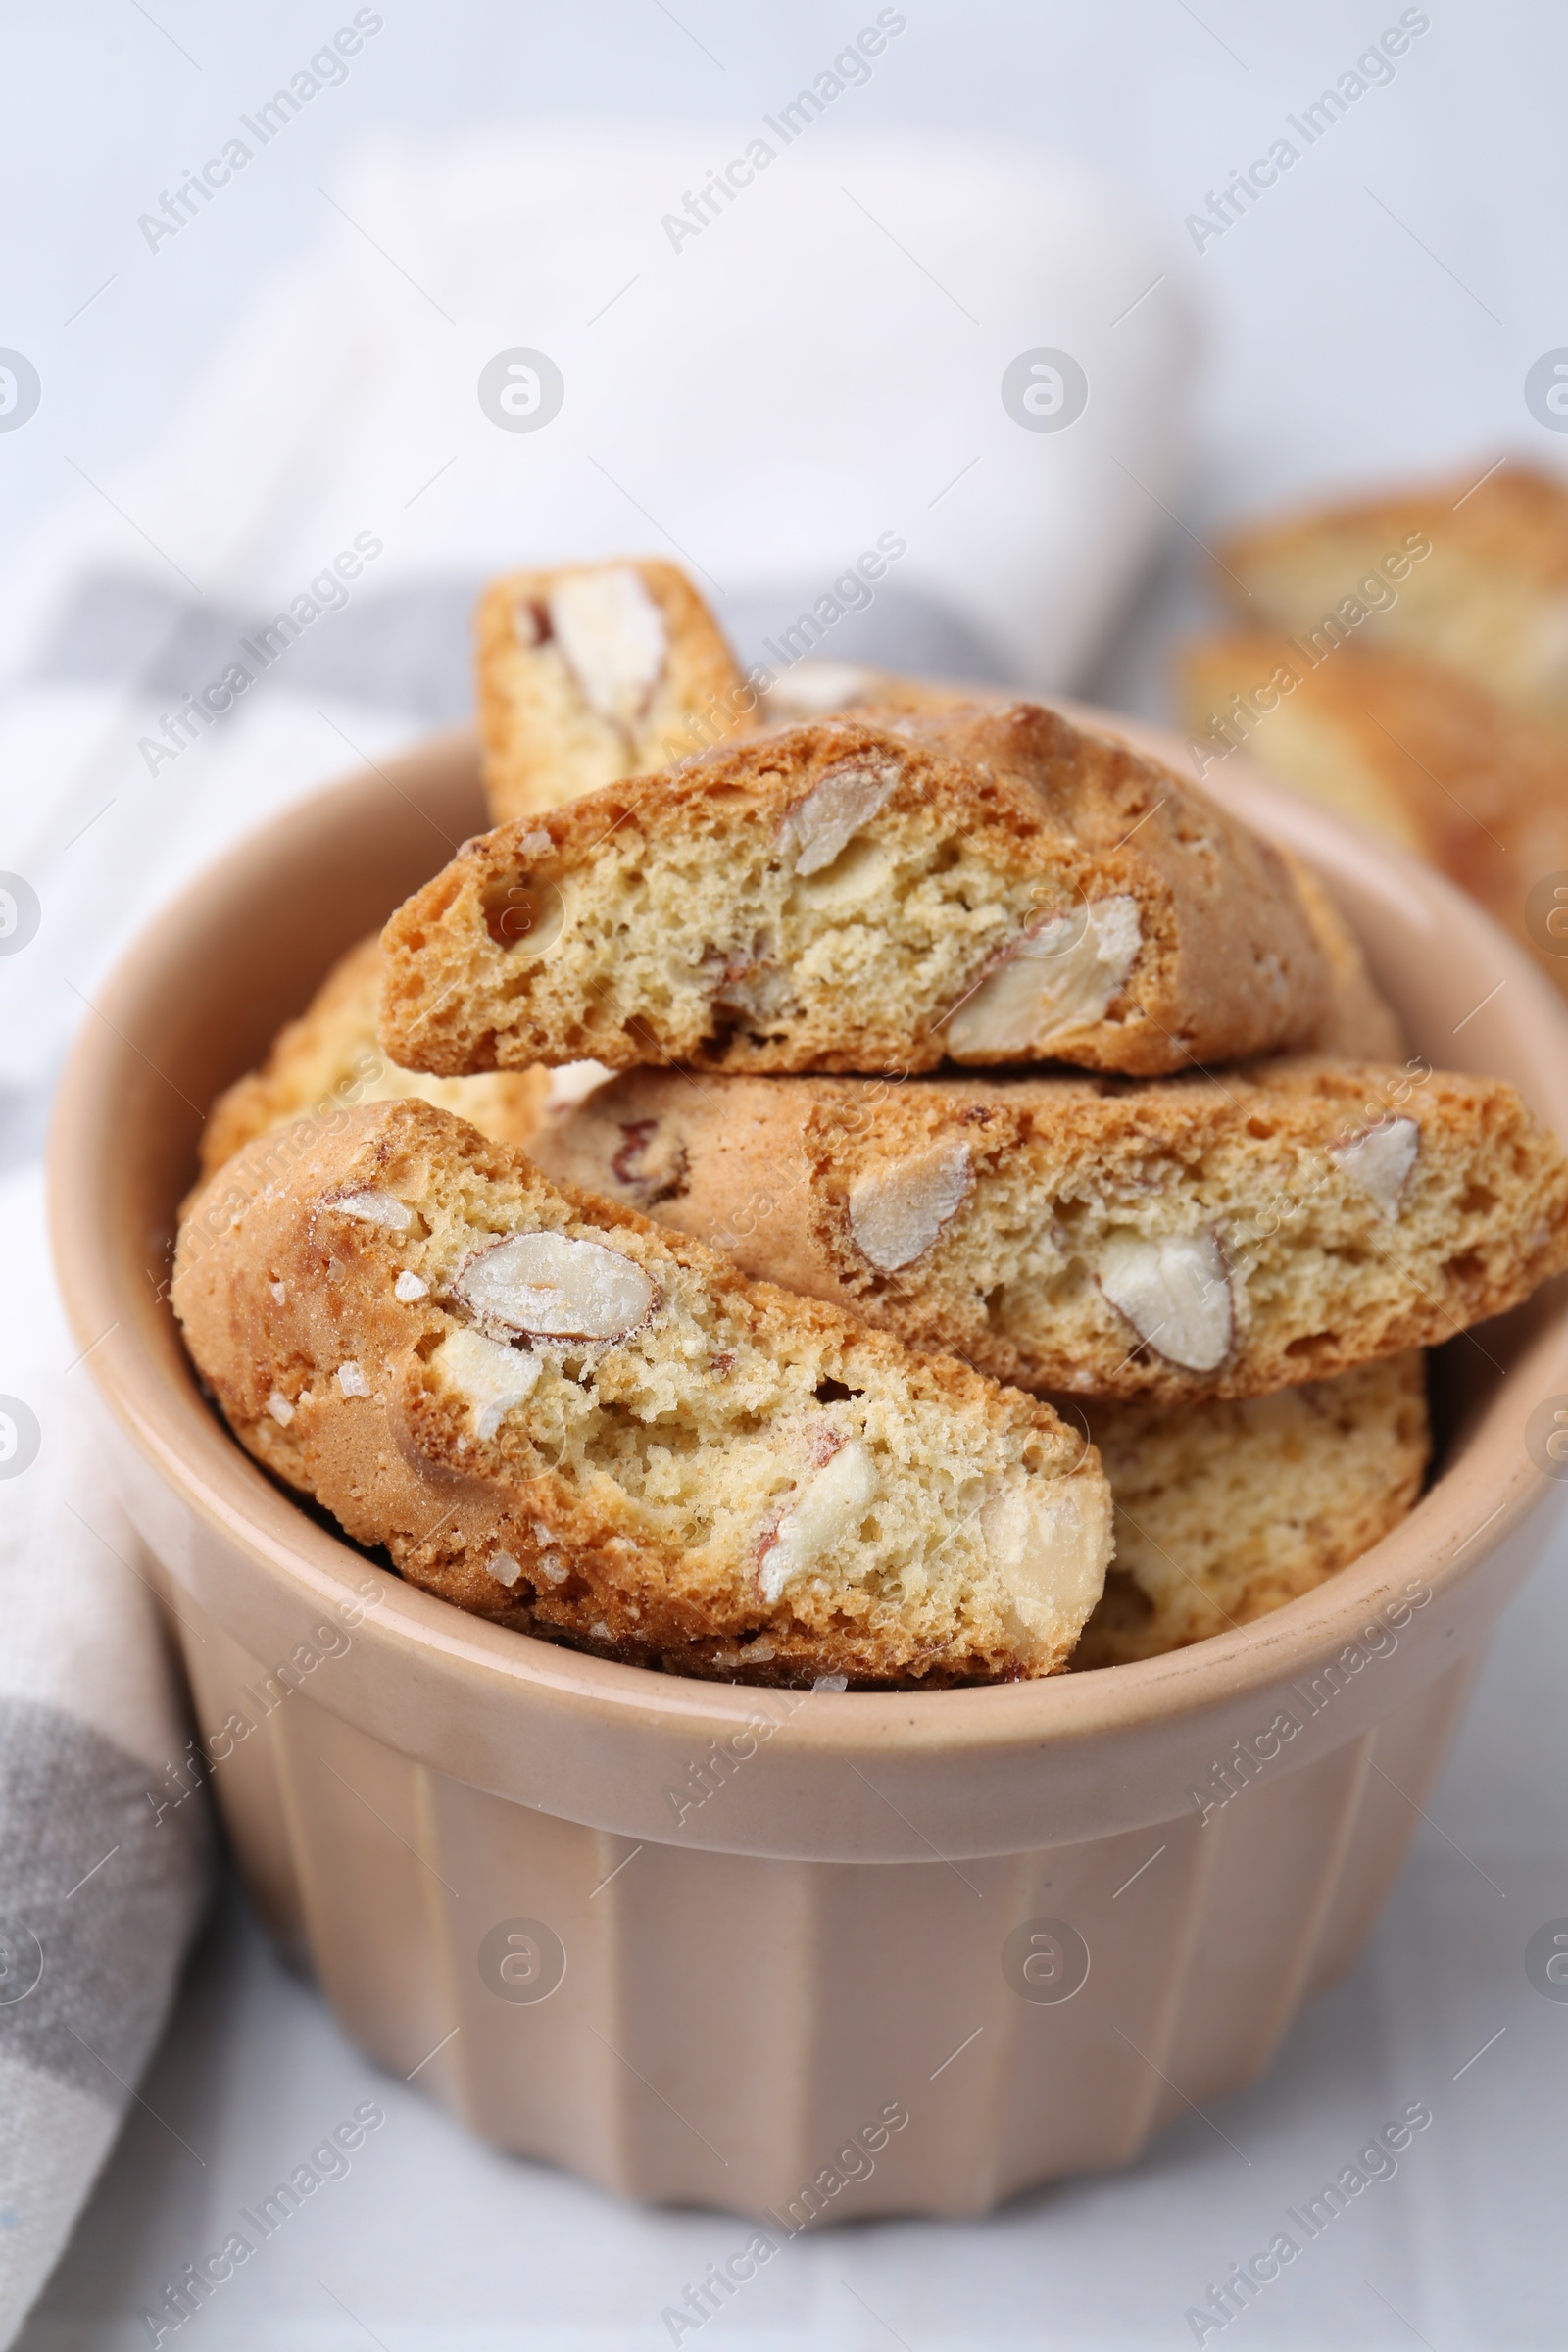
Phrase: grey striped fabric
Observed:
(93, 1876)
(102, 1876)
(408, 650)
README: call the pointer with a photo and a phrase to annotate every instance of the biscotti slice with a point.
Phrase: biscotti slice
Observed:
(329, 1059)
(844, 895)
(588, 673)
(1175, 1238)
(1472, 573)
(1227, 1512)
(566, 1419)
(1416, 750)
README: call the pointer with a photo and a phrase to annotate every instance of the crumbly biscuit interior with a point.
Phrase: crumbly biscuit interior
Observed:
(1341, 1203)
(724, 944)
(769, 1457)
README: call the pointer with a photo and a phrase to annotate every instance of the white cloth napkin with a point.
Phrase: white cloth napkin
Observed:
(817, 370)
(820, 368)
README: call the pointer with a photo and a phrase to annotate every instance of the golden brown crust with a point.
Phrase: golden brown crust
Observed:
(1031, 1185)
(682, 918)
(329, 1059)
(1361, 1024)
(1471, 572)
(1226, 1511)
(626, 1494)
(543, 742)
(1416, 752)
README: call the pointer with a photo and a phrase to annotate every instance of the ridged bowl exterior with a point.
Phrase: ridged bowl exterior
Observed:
(786, 1927)
(728, 2024)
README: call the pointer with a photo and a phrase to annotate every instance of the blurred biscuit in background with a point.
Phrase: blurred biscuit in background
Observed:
(1471, 572)
(1417, 752)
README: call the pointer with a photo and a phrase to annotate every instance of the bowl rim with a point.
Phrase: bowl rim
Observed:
(1481, 1501)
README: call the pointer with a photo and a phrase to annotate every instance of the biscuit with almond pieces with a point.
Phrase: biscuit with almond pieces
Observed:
(849, 896)
(1225, 1512)
(562, 1416)
(1170, 1240)
(588, 673)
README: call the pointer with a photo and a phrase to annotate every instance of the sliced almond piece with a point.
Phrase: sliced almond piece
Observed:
(572, 1083)
(1051, 1549)
(375, 1208)
(1059, 979)
(491, 1376)
(821, 827)
(612, 637)
(1176, 1294)
(897, 1214)
(812, 688)
(1379, 1162)
(833, 1502)
(549, 1286)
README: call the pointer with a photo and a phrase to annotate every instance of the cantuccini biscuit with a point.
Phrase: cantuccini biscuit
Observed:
(588, 673)
(1417, 752)
(1171, 1240)
(1226, 1511)
(329, 1059)
(1471, 573)
(984, 886)
(574, 1422)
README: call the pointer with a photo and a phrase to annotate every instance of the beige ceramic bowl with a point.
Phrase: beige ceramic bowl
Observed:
(708, 1944)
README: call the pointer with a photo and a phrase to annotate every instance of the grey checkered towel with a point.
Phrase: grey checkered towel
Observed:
(102, 1877)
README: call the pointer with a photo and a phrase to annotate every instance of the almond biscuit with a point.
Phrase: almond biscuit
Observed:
(1172, 1240)
(1419, 753)
(1227, 1512)
(1472, 573)
(1356, 1020)
(576, 1423)
(984, 886)
(588, 673)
